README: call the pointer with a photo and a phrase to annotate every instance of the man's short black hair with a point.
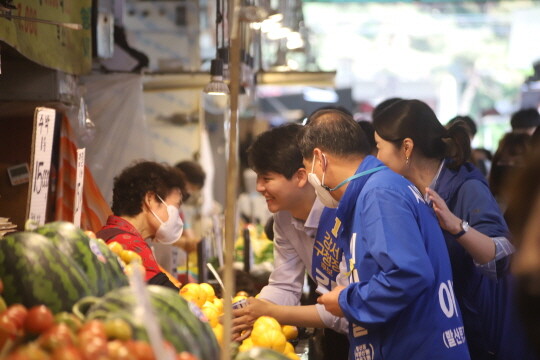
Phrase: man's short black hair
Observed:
(276, 150)
(193, 172)
(134, 182)
(525, 118)
(333, 131)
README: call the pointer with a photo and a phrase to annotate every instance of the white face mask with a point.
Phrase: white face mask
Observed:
(171, 230)
(322, 192)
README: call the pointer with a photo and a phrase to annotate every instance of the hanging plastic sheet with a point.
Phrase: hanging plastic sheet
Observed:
(115, 105)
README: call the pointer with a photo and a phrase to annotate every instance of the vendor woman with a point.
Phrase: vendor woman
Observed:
(146, 202)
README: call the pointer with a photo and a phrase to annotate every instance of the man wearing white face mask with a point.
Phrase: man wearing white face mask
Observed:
(399, 301)
(146, 201)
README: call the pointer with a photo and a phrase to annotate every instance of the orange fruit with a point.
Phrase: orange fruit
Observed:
(271, 339)
(209, 290)
(130, 256)
(218, 332)
(115, 247)
(211, 313)
(193, 292)
(290, 332)
(218, 303)
(246, 345)
(267, 322)
(289, 348)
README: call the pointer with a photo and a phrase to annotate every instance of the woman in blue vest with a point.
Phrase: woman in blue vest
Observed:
(412, 142)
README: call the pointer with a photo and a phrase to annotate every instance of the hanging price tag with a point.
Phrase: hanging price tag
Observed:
(79, 183)
(42, 143)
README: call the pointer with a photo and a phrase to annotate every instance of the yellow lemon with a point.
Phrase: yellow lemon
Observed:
(257, 296)
(218, 332)
(212, 314)
(193, 292)
(238, 298)
(218, 303)
(271, 339)
(209, 290)
(246, 345)
(116, 247)
(290, 332)
(267, 322)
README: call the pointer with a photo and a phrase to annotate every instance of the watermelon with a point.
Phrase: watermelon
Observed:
(178, 323)
(258, 353)
(34, 272)
(100, 265)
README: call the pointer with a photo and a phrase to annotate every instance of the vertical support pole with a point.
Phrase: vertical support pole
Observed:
(232, 177)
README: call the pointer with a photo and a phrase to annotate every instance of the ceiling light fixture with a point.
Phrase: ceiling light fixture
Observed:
(217, 86)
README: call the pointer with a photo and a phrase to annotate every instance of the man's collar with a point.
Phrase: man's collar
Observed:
(312, 221)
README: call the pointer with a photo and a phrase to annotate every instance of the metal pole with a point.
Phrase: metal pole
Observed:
(232, 178)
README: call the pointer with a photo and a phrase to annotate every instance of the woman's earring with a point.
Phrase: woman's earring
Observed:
(407, 161)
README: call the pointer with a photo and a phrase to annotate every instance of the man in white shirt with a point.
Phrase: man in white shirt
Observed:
(303, 239)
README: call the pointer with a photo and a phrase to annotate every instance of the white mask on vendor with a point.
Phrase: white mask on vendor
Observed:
(171, 230)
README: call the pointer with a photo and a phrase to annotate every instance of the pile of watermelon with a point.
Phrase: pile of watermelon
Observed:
(56, 265)
(59, 266)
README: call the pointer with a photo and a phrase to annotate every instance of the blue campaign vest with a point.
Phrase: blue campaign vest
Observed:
(326, 253)
(391, 319)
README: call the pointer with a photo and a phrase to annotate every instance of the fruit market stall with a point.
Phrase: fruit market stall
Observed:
(67, 295)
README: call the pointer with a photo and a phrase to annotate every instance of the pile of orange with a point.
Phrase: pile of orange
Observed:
(268, 333)
(203, 296)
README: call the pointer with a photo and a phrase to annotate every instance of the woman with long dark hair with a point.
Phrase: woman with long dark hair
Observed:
(412, 142)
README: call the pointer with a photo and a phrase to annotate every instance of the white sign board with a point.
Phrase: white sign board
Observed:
(79, 183)
(42, 143)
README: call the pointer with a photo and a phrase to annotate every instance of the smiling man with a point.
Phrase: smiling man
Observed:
(303, 239)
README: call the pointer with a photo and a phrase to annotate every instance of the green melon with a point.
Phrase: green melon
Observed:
(100, 265)
(35, 272)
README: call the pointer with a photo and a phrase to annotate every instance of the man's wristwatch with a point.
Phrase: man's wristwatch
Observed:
(464, 228)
